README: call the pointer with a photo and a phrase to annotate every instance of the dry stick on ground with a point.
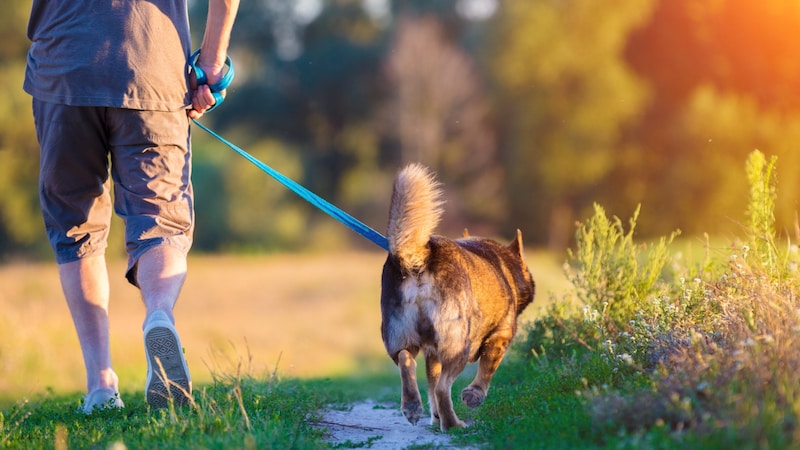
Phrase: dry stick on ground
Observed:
(574, 334)
(237, 392)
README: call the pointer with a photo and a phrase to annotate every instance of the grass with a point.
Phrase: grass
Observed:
(635, 345)
(237, 413)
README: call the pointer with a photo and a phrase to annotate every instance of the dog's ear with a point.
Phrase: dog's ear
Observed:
(516, 245)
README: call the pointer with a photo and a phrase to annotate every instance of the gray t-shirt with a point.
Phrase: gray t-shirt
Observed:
(115, 53)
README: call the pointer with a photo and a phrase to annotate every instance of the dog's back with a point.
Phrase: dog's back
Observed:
(457, 300)
(459, 293)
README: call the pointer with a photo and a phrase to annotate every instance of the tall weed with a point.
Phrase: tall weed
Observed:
(761, 207)
(614, 281)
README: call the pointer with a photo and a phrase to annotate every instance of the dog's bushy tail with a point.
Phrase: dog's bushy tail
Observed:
(414, 214)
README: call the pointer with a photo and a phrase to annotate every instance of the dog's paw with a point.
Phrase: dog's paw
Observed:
(412, 411)
(457, 424)
(472, 396)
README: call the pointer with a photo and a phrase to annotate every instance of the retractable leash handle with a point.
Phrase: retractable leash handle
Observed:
(219, 86)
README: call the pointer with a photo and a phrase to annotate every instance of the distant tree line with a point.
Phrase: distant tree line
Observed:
(529, 112)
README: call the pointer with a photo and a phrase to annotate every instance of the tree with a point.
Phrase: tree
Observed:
(567, 97)
(439, 116)
(724, 80)
(21, 226)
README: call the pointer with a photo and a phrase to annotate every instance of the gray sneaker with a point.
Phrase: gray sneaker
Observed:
(104, 398)
(167, 372)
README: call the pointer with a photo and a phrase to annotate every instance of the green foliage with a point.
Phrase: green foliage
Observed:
(613, 276)
(246, 211)
(21, 227)
(20, 220)
(688, 160)
(565, 112)
(614, 282)
(12, 30)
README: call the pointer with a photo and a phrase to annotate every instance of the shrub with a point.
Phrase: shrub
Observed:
(614, 283)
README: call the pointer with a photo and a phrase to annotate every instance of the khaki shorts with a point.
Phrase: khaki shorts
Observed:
(147, 156)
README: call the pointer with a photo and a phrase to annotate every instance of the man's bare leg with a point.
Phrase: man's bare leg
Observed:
(85, 286)
(160, 274)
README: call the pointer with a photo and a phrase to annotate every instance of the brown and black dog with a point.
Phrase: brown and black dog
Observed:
(456, 300)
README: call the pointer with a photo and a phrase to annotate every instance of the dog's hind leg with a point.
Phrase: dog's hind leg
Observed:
(433, 370)
(443, 396)
(411, 402)
(494, 348)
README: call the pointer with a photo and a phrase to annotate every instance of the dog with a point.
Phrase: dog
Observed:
(455, 300)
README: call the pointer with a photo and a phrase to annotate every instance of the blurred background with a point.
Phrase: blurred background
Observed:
(530, 111)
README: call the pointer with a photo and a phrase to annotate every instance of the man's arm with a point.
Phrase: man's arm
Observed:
(213, 51)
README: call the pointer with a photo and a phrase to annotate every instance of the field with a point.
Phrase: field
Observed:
(300, 315)
(665, 344)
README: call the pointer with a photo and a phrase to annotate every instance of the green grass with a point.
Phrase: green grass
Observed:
(244, 413)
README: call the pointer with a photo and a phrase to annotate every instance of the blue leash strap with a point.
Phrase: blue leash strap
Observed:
(330, 209)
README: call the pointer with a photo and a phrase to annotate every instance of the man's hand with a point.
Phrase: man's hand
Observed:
(205, 82)
(202, 97)
(202, 101)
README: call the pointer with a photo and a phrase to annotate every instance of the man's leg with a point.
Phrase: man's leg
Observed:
(85, 286)
(151, 167)
(160, 273)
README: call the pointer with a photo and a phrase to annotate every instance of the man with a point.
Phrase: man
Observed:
(112, 95)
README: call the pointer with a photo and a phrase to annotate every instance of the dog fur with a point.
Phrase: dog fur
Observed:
(455, 300)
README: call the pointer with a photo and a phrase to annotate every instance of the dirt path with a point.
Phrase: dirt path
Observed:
(380, 426)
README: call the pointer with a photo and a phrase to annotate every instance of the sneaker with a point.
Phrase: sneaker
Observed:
(104, 398)
(164, 352)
